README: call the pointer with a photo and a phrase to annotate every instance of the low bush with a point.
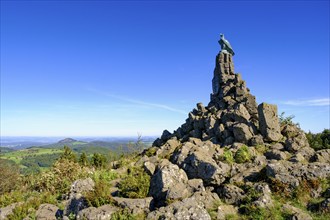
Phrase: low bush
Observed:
(10, 176)
(100, 195)
(135, 184)
(60, 177)
(243, 155)
(227, 156)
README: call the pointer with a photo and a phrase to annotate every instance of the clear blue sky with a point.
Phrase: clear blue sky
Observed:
(114, 68)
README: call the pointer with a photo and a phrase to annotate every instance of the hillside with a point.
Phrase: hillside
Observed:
(231, 159)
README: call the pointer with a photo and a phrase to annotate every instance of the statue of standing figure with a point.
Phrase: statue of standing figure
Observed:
(225, 45)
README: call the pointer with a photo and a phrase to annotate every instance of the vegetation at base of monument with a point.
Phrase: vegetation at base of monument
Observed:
(242, 155)
(320, 140)
(227, 156)
(135, 184)
(213, 211)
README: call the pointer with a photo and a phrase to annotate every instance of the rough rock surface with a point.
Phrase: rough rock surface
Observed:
(4, 212)
(169, 182)
(101, 213)
(268, 122)
(231, 194)
(187, 209)
(296, 213)
(136, 206)
(76, 201)
(47, 212)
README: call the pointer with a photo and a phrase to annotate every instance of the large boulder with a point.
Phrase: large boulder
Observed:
(197, 162)
(101, 213)
(187, 209)
(136, 206)
(268, 122)
(169, 182)
(231, 194)
(290, 174)
(75, 199)
(296, 213)
(265, 199)
(322, 156)
(242, 133)
(47, 212)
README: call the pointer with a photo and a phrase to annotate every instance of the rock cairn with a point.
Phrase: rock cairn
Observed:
(232, 114)
(223, 149)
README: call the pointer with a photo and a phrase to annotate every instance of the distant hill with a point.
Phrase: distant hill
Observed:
(67, 141)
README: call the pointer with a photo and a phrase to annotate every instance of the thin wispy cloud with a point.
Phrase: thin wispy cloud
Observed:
(139, 102)
(308, 102)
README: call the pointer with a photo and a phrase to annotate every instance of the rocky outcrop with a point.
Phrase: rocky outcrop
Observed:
(232, 142)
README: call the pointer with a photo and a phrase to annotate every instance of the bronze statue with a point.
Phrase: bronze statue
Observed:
(225, 45)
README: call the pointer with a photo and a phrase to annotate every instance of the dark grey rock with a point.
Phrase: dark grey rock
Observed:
(101, 213)
(268, 122)
(276, 155)
(187, 209)
(136, 206)
(76, 201)
(242, 133)
(296, 213)
(322, 156)
(47, 212)
(168, 182)
(231, 194)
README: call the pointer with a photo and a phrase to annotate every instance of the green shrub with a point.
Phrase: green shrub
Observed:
(242, 155)
(227, 156)
(98, 160)
(104, 174)
(10, 176)
(83, 160)
(60, 177)
(319, 141)
(261, 149)
(151, 151)
(28, 208)
(68, 154)
(135, 184)
(100, 195)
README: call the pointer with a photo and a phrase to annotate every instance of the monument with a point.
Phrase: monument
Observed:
(225, 45)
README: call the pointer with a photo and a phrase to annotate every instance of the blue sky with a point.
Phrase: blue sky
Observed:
(116, 68)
